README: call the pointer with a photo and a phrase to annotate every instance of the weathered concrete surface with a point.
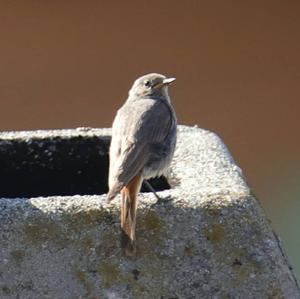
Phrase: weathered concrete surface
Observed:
(211, 241)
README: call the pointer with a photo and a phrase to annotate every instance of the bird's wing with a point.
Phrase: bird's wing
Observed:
(137, 125)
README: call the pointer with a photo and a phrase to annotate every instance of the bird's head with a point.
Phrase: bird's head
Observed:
(151, 85)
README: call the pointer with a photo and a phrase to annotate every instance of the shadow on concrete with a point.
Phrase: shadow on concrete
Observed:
(76, 252)
(57, 166)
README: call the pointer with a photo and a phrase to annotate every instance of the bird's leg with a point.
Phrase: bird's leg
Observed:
(149, 186)
(128, 215)
(159, 199)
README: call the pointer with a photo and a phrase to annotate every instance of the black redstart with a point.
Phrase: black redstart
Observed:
(142, 146)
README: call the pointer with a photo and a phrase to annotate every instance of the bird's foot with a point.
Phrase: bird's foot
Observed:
(159, 200)
(162, 200)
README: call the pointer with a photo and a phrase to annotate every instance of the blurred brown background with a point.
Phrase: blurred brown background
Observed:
(67, 64)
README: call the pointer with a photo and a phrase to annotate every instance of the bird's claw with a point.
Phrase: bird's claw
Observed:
(161, 200)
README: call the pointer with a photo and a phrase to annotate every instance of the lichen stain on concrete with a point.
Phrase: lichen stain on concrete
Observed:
(150, 231)
(242, 272)
(39, 231)
(87, 243)
(109, 273)
(243, 265)
(239, 253)
(12, 289)
(225, 296)
(274, 292)
(17, 255)
(82, 278)
(109, 244)
(6, 290)
(151, 221)
(213, 209)
(85, 219)
(215, 234)
(66, 229)
(189, 251)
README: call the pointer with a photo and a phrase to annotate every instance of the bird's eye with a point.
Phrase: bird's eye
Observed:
(147, 83)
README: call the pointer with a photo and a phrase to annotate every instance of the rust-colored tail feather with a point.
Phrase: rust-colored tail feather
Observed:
(128, 215)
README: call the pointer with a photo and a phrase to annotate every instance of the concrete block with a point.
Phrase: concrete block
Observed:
(212, 240)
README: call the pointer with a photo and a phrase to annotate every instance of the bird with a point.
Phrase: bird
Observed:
(144, 133)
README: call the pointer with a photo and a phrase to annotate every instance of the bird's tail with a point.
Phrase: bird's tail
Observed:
(128, 215)
(113, 192)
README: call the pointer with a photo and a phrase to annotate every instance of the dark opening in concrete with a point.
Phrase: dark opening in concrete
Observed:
(57, 166)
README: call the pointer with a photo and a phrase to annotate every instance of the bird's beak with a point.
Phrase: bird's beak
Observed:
(168, 81)
(165, 81)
